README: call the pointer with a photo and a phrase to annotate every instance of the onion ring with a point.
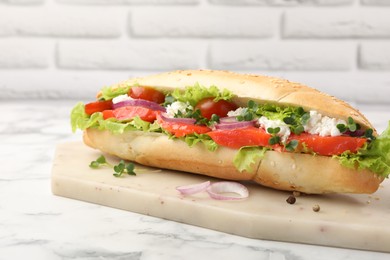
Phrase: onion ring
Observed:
(234, 125)
(183, 120)
(224, 190)
(141, 103)
(193, 188)
(228, 119)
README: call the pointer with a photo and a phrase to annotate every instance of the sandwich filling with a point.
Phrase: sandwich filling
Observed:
(210, 116)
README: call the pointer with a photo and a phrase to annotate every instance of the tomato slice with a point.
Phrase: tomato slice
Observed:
(182, 129)
(208, 107)
(239, 137)
(329, 145)
(98, 106)
(129, 112)
(253, 136)
(108, 114)
(147, 93)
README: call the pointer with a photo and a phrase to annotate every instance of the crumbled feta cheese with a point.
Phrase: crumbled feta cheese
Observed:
(174, 108)
(284, 132)
(323, 125)
(121, 98)
(238, 112)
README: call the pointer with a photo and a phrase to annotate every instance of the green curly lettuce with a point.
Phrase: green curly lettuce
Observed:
(247, 156)
(374, 157)
(206, 140)
(109, 92)
(193, 94)
(80, 120)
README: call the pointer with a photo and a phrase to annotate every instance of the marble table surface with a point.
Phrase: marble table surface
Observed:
(34, 224)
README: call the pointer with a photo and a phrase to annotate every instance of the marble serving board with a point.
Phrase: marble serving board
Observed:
(349, 221)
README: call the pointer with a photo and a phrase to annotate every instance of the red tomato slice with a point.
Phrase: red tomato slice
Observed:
(237, 138)
(108, 114)
(208, 107)
(97, 106)
(252, 136)
(329, 145)
(182, 129)
(129, 112)
(147, 93)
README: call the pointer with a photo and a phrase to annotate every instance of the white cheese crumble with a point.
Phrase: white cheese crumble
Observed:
(177, 106)
(323, 125)
(238, 112)
(121, 98)
(284, 132)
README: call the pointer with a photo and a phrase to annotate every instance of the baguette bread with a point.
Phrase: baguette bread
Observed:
(280, 170)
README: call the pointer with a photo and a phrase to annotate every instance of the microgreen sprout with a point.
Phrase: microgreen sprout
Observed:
(274, 139)
(169, 99)
(305, 118)
(297, 120)
(273, 130)
(351, 126)
(122, 168)
(289, 120)
(342, 128)
(249, 113)
(100, 161)
(298, 130)
(119, 169)
(252, 105)
(368, 134)
(292, 145)
(214, 119)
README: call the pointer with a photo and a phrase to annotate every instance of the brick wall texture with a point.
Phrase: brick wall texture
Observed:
(71, 48)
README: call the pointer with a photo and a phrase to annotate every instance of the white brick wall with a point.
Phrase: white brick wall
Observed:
(287, 55)
(23, 54)
(71, 48)
(133, 55)
(374, 56)
(206, 22)
(314, 23)
(60, 22)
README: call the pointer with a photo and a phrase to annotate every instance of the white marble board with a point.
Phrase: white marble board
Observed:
(349, 221)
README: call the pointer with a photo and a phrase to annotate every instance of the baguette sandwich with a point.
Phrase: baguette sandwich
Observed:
(231, 126)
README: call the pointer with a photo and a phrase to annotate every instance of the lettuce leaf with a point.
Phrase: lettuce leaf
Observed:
(246, 157)
(374, 156)
(275, 112)
(109, 92)
(114, 126)
(81, 120)
(195, 138)
(193, 94)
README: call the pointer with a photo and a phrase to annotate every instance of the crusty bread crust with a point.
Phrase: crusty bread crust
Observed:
(284, 171)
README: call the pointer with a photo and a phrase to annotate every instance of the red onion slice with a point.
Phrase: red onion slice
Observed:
(228, 119)
(224, 190)
(141, 103)
(183, 120)
(227, 190)
(234, 125)
(193, 188)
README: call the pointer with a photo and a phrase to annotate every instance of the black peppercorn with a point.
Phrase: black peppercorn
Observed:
(291, 199)
(316, 208)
